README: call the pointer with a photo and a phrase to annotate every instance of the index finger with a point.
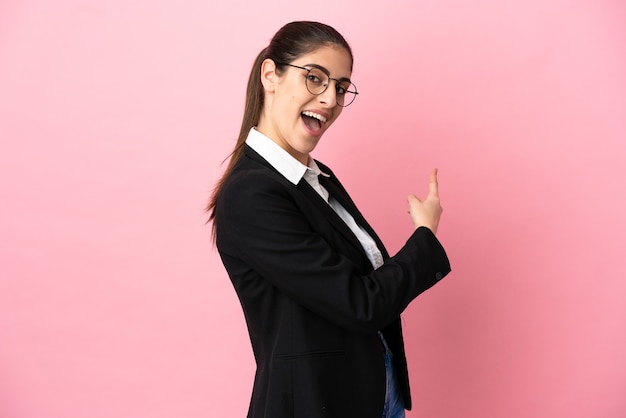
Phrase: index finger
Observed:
(433, 186)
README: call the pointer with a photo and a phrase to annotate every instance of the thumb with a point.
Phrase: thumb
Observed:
(413, 199)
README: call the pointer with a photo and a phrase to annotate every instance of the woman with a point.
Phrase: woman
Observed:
(321, 297)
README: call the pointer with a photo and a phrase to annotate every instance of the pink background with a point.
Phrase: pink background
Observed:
(115, 117)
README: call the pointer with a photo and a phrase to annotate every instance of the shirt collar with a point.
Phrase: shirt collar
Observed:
(292, 169)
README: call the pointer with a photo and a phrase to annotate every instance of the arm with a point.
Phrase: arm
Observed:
(260, 222)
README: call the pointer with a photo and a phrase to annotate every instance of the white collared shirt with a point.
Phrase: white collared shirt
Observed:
(293, 170)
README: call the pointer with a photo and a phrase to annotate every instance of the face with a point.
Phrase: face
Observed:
(293, 117)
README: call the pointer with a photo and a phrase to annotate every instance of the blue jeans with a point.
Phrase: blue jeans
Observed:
(394, 406)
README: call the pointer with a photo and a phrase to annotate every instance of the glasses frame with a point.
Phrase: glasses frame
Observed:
(306, 82)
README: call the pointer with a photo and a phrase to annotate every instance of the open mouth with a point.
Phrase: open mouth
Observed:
(313, 121)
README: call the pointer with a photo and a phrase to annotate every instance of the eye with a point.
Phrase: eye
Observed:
(313, 78)
(343, 88)
(316, 77)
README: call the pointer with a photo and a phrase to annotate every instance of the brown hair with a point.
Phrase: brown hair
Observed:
(290, 42)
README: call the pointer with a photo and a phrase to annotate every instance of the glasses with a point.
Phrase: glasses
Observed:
(318, 79)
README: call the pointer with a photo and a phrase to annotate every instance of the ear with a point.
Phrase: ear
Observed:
(269, 78)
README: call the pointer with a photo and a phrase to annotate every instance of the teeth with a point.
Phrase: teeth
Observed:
(314, 115)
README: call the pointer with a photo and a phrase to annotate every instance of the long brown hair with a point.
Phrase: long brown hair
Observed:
(290, 42)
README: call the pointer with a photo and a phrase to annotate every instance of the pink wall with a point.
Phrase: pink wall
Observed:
(115, 116)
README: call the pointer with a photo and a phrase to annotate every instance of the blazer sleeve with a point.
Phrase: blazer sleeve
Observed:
(261, 227)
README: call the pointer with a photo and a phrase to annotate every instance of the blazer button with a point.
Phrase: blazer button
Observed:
(323, 410)
(438, 276)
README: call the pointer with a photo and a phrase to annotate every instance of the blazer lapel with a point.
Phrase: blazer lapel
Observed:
(329, 213)
(337, 191)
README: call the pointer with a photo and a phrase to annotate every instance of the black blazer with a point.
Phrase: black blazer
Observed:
(312, 301)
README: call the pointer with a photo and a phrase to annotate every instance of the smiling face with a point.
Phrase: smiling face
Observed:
(293, 117)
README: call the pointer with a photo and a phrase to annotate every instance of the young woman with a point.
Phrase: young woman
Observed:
(321, 297)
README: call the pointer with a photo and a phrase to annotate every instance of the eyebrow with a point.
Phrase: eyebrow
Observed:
(327, 72)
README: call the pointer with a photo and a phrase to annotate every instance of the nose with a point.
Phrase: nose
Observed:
(329, 96)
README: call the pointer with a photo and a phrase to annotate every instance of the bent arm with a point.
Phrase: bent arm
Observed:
(260, 224)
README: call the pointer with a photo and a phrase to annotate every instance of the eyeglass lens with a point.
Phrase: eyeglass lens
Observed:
(317, 82)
